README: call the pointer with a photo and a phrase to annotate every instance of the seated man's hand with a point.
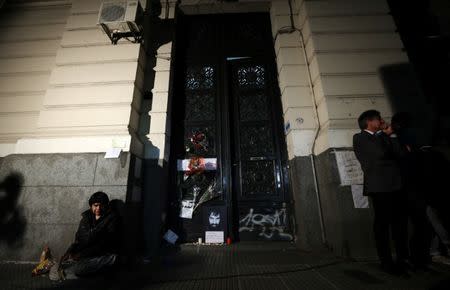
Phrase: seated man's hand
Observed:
(70, 256)
(74, 257)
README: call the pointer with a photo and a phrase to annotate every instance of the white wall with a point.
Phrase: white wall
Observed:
(63, 86)
(29, 43)
(159, 134)
(296, 94)
(346, 44)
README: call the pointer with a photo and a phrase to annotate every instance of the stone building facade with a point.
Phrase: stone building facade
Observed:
(67, 96)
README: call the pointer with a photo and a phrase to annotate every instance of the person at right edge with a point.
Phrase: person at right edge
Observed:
(412, 168)
(379, 156)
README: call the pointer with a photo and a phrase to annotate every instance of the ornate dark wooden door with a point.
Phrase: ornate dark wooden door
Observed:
(227, 113)
(258, 181)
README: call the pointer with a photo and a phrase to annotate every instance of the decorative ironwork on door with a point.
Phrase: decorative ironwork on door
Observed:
(227, 143)
(197, 160)
(254, 143)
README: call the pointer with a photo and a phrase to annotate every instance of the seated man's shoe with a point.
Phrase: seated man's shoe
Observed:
(55, 274)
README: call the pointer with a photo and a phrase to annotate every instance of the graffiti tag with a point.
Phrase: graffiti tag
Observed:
(267, 226)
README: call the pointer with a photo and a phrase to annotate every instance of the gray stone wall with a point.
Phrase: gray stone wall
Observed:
(54, 190)
(307, 227)
(348, 229)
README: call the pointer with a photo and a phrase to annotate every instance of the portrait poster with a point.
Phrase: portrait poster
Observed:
(215, 218)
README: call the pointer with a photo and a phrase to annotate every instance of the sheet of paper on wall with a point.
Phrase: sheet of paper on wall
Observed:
(187, 208)
(349, 168)
(214, 237)
(359, 200)
(113, 153)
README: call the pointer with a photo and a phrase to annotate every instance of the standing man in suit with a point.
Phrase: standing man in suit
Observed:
(378, 152)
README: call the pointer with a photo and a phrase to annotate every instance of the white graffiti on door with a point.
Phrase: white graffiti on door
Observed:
(268, 225)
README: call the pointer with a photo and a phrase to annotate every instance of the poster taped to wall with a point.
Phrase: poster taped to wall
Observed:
(113, 153)
(349, 168)
(359, 200)
(187, 208)
(214, 237)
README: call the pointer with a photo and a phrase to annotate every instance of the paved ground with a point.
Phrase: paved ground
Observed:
(240, 266)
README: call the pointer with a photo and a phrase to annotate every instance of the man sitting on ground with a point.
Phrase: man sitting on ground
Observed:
(96, 242)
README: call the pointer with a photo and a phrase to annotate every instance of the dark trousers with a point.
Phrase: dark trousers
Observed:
(74, 269)
(390, 215)
(420, 238)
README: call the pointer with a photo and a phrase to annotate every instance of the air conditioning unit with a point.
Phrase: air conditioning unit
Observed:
(121, 19)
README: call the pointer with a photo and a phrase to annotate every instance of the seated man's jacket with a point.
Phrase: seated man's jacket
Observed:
(379, 156)
(96, 237)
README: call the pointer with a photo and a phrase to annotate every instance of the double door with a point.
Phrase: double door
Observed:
(227, 149)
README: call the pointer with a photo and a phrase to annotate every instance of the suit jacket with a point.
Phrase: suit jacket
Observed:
(378, 155)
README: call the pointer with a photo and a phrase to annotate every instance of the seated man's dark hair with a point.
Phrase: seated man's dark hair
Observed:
(367, 116)
(99, 197)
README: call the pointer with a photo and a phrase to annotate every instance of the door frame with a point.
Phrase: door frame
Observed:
(223, 99)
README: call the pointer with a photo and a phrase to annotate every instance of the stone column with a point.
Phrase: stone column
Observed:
(300, 120)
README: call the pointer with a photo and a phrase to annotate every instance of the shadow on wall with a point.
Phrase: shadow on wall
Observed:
(148, 210)
(143, 213)
(12, 220)
(118, 207)
(405, 94)
(154, 204)
(158, 32)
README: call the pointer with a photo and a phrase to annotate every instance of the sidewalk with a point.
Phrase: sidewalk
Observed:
(239, 266)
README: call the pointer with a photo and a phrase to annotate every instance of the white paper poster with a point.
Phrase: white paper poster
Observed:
(349, 168)
(359, 200)
(214, 237)
(113, 153)
(187, 208)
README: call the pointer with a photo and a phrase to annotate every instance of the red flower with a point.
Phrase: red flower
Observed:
(196, 165)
